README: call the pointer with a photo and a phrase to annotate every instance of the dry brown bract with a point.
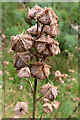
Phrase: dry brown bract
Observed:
(24, 72)
(40, 70)
(21, 108)
(33, 30)
(31, 14)
(22, 42)
(21, 59)
(47, 108)
(47, 46)
(47, 17)
(49, 91)
(53, 31)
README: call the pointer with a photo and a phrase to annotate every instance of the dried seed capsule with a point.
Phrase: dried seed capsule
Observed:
(49, 91)
(53, 31)
(47, 17)
(31, 14)
(33, 30)
(40, 70)
(22, 42)
(24, 72)
(20, 108)
(20, 60)
(47, 108)
(47, 46)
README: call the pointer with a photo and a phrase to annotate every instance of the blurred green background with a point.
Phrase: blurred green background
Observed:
(15, 21)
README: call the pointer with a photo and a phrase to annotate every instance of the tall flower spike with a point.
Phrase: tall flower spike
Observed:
(40, 70)
(47, 46)
(47, 108)
(20, 108)
(24, 72)
(21, 42)
(20, 60)
(49, 91)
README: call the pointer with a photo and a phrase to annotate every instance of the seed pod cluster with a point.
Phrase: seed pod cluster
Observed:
(49, 92)
(41, 38)
(44, 45)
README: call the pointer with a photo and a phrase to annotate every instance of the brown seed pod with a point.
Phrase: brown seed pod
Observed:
(53, 31)
(40, 70)
(49, 91)
(22, 42)
(47, 17)
(33, 30)
(31, 14)
(47, 46)
(20, 60)
(20, 108)
(24, 72)
(47, 108)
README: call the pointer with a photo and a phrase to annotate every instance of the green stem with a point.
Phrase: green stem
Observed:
(34, 98)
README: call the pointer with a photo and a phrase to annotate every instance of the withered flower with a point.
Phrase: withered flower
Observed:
(47, 46)
(40, 70)
(47, 17)
(49, 91)
(20, 108)
(20, 60)
(24, 72)
(21, 42)
(31, 14)
(53, 31)
(47, 108)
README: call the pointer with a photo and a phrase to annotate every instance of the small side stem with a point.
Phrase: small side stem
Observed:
(34, 98)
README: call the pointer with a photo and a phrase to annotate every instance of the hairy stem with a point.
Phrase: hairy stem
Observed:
(34, 98)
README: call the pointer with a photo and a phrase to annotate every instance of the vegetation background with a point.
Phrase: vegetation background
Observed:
(14, 21)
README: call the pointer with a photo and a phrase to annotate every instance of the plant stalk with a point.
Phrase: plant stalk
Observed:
(34, 98)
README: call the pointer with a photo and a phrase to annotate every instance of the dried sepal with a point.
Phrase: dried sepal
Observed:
(20, 108)
(24, 72)
(40, 70)
(53, 31)
(21, 42)
(20, 60)
(47, 17)
(47, 46)
(49, 91)
(31, 14)
(47, 108)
